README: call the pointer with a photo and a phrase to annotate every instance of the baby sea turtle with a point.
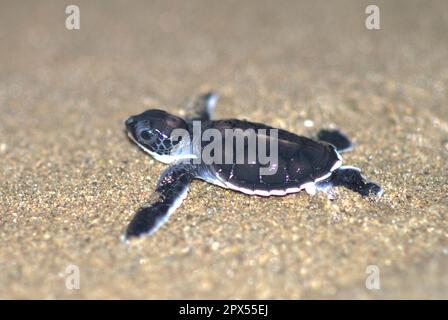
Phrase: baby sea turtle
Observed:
(303, 163)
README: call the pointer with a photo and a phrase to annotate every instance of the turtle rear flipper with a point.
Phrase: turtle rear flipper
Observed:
(335, 137)
(171, 191)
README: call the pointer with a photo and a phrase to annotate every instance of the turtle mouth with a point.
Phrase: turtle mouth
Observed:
(128, 127)
(130, 136)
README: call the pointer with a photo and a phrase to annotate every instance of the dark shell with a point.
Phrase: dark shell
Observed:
(301, 160)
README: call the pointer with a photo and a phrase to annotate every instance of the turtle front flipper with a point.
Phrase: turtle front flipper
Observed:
(335, 137)
(171, 190)
(350, 178)
(203, 106)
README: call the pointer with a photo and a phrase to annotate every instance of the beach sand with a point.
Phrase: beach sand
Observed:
(70, 180)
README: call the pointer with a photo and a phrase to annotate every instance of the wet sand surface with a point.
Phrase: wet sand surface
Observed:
(70, 180)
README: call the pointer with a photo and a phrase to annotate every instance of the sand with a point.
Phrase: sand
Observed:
(70, 180)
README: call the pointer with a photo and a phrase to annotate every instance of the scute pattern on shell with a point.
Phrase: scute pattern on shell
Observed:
(300, 161)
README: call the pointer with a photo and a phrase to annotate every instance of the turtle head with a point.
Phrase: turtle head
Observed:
(158, 133)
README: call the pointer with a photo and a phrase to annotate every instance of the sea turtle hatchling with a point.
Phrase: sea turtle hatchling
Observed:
(303, 163)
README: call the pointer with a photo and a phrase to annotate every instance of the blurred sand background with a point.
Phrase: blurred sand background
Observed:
(70, 180)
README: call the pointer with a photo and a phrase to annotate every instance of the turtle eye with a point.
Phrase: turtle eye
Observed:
(145, 135)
